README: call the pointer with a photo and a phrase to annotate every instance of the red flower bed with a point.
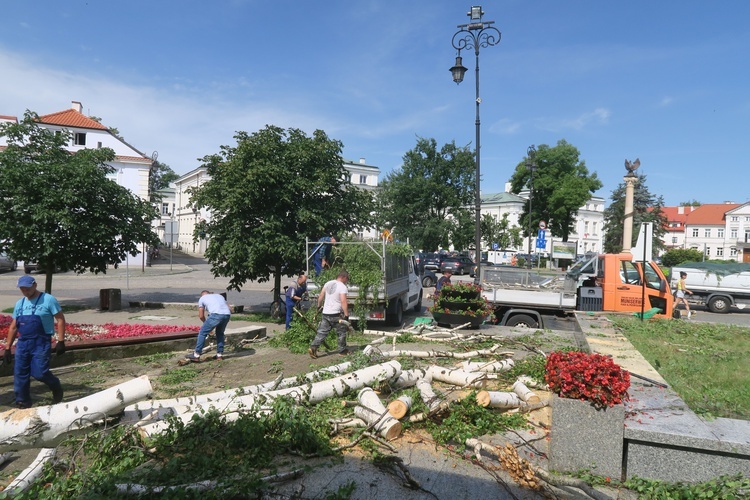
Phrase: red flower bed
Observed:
(589, 377)
(77, 332)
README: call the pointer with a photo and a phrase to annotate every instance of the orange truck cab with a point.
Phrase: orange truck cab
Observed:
(621, 281)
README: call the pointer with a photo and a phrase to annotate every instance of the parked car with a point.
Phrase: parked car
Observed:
(429, 279)
(34, 266)
(432, 261)
(7, 263)
(459, 265)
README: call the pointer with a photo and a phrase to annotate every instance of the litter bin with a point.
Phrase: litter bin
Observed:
(110, 299)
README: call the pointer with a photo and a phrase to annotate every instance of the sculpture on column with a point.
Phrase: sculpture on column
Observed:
(632, 166)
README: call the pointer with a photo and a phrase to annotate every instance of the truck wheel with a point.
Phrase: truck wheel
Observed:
(427, 282)
(522, 320)
(719, 305)
(396, 315)
(418, 307)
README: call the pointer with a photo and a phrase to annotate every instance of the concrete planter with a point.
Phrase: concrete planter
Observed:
(583, 437)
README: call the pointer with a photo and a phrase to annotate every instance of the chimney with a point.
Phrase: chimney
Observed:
(680, 210)
(361, 161)
(77, 106)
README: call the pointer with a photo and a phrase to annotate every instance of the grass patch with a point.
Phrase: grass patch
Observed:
(257, 318)
(177, 376)
(705, 363)
(153, 358)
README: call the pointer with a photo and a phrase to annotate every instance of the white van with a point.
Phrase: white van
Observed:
(501, 256)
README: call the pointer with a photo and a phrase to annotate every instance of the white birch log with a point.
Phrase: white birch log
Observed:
(30, 473)
(398, 408)
(373, 412)
(44, 426)
(409, 378)
(140, 489)
(311, 393)
(457, 377)
(370, 350)
(495, 399)
(428, 395)
(144, 410)
(502, 365)
(343, 423)
(530, 382)
(525, 393)
(5, 457)
(379, 333)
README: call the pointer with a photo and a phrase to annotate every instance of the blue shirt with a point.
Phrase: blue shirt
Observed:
(45, 306)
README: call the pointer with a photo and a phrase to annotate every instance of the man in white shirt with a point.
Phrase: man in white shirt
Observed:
(335, 309)
(218, 318)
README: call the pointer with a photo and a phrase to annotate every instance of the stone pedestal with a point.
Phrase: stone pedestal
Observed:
(583, 437)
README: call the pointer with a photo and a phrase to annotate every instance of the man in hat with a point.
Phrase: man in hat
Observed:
(35, 317)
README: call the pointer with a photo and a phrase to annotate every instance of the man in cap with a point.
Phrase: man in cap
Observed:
(35, 317)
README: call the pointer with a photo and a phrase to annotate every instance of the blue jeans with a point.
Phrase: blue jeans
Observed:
(217, 321)
(330, 321)
(317, 263)
(289, 312)
(32, 359)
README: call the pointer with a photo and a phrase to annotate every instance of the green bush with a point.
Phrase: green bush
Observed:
(677, 256)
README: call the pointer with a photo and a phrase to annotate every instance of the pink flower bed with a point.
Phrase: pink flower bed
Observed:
(77, 332)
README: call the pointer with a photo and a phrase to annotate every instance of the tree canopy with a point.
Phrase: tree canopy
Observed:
(159, 176)
(266, 194)
(60, 209)
(432, 184)
(646, 208)
(500, 231)
(561, 185)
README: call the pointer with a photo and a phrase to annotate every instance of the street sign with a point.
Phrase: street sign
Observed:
(542, 225)
(541, 243)
(541, 238)
(495, 246)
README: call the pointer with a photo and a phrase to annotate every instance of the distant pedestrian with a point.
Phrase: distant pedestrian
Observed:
(294, 293)
(217, 318)
(34, 319)
(321, 256)
(335, 309)
(445, 279)
(680, 295)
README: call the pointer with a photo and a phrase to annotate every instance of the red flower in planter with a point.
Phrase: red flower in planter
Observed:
(589, 377)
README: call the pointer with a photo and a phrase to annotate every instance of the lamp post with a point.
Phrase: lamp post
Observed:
(531, 165)
(474, 35)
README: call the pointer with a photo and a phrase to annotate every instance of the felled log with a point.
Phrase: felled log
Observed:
(428, 395)
(370, 350)
(44, 426)
(343, 423)
(30, 473)
(398, 408)
(496, 399)
(525, 393)
(158, 408)
(530, 382)
(311, 393)
(409, 378)
(502, 365)
(457, 377)
(141, 490)
(374, 413)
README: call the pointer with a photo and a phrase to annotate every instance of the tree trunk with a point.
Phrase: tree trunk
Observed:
(398, 408)
(374, 413)
(311, 393)
(495, 399)
(428, 395)
(525, 393)
(30, 473)
(491, 367)
(457, 377)
(47, 425)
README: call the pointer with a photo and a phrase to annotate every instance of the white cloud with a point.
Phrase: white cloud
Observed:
(599, 116)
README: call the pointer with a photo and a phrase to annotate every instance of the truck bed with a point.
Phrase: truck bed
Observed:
(514, 286)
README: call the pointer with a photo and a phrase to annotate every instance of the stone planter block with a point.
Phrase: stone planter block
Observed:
(585, 438)
(457, 319)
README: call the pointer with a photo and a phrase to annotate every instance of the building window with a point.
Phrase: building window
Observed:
(707, 233)
(720, 252)
(362, 179)
(733, 252)
(695, 233)
(734, 218)
(165, 208)
(720, 233)
(79, 139)
(674, 240)
(586, 227)
(747, 219)
(593, 227)
(707, 251)
(99, 145)
(733, 234)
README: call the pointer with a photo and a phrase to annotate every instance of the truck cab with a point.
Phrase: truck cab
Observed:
(619, 281)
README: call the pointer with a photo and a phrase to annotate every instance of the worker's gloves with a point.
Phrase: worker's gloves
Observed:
(60, 347)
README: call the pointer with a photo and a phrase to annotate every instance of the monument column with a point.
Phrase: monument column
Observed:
(627, 230)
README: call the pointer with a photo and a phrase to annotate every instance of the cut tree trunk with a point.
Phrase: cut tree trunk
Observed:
(502, 365)
(398, 408)
(30, 473)
(495, 399)
(45, 426)
(525, 393)
(311, 393)
(428, 395)
(157, 409)
(457, 377)
(375, 414)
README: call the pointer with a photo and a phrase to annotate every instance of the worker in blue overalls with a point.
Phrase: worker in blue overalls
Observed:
(321, 256)
(34, 319)
(294, 293)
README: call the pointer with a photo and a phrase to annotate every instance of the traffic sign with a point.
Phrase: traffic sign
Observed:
(542, 225)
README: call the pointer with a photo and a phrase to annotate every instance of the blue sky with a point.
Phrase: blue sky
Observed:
(664, 81)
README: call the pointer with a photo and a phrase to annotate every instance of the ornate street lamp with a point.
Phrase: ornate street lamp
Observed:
(531, 165)
(474, 35)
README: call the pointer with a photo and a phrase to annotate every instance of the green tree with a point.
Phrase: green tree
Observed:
(159, 176)
(677, 256)
(561, 185)
(691, 203)
(432, 184)
(269, 192)
(500, 231)
(60, 209)
(646, 208)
